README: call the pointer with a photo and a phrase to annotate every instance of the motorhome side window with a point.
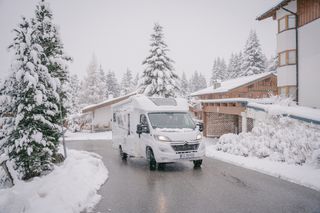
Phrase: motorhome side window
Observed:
(143, 120)
(114, 117)
(128, 124)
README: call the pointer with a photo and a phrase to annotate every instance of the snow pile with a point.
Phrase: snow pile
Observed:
(71, 187)
(80, 136)
(305, 174)
(277, 138)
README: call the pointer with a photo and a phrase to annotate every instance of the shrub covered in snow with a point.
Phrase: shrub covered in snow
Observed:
(277, 138)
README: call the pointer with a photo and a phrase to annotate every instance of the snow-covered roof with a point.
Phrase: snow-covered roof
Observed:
(231, 84)
(298, 112)
(106, 103)
(155, 104)
(278, 4)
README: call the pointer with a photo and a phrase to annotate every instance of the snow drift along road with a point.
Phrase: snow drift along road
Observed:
(71, 187)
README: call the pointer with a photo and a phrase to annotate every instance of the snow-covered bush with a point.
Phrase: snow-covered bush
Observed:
(277, 138)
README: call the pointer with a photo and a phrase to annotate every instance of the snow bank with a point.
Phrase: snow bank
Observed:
(306, 175)
(78, 136)
(278, 139)
(71, 187)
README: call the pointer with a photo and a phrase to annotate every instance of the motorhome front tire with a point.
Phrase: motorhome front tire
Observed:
(197, 163)
(151, 159)
(123, 155)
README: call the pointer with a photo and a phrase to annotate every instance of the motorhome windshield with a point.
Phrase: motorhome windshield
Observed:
(177, 120)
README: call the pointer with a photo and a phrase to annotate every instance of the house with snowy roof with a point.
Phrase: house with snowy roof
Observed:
(298, 48)
(101, 113)
(221, 105)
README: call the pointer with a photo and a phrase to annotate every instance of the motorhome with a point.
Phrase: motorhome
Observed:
(161, 130)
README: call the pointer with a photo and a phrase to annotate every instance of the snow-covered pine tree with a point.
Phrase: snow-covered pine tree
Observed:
(136, 81)
(91, 91)
(29, 107)
(202, 81)
(184, 90)
(232, 66)
(127, 84)
(273, 64)
(47, 35)
(158, 78)
(113, 87)
(219, 70)
(197, 82)
(253, 60)
(102, 81)
(75, 95)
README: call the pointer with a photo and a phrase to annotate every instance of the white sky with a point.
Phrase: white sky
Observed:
(118, 31)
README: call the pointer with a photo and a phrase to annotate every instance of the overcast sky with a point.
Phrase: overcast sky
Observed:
(118, 31)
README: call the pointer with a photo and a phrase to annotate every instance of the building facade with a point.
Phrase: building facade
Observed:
(298, 48)
(221, 107)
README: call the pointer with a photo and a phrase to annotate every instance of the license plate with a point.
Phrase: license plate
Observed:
(186, 155)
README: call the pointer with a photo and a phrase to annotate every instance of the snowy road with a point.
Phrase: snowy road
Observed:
(217, 187)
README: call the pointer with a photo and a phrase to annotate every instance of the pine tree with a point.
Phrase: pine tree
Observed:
(253, 59)
(272, 64)
(136, 81)
(91, 91)
(29, 107)
(127, 84)
(184, 86)
(75, 95)
(197, 82)
(234, 66)
(158, 78)
(56, 60)
(219, 70)
(113, 87)
(102, 81)
(202, 81)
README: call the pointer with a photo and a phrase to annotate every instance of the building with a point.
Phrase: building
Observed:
(101, 113)
(221, 106)
(298, 48)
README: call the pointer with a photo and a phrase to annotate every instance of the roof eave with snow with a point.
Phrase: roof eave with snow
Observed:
(105, 103)
(221, 90)
(272, 11)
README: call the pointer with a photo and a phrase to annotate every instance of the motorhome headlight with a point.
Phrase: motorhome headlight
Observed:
(162, 138)
(199, 137)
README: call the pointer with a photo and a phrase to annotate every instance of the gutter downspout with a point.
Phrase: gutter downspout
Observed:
(297, 52)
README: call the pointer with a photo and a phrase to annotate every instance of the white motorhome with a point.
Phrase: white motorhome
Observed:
(160, 130)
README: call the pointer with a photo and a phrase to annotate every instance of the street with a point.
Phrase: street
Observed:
(178, 187)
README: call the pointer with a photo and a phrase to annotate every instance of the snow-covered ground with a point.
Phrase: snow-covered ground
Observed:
(70, 188)
(306, 174)
(76, 136)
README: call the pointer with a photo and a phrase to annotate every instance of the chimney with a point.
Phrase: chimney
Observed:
(216, 84)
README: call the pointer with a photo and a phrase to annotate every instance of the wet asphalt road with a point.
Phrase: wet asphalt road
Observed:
(216, 187)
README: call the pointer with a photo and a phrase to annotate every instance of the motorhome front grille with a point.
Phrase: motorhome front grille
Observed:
(185, 147)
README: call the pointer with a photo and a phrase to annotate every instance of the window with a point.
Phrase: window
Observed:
(286, 23)
(128, 124)
(287, 57)
(143, 120)
(114, 117)
(291, 57)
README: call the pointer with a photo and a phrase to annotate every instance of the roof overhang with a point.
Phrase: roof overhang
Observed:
(110, 102)
(273, 10)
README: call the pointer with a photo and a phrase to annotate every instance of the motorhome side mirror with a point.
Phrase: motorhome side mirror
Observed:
(142, 129)
(200, 126)
(139, 129)
(145, 129)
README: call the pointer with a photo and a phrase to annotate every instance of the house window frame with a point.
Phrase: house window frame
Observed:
(286, 55)
(286, 23)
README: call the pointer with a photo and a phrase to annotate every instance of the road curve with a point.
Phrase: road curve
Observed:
(216, 187)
